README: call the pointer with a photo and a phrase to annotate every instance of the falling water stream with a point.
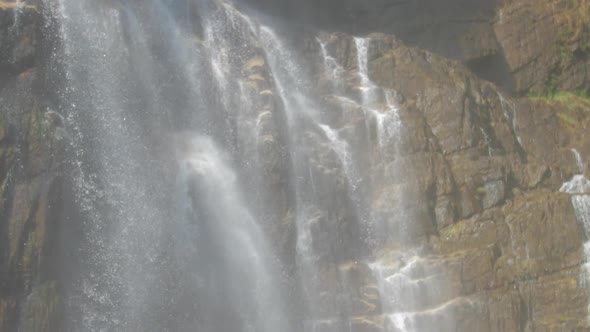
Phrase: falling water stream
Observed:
(579, 188)
(198, 141)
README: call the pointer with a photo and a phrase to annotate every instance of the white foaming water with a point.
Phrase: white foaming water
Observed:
(579, 160)
(387, 120)
(388, 123)
(368, 89)
(224, 51)
(423, 320)
(332, 69)
(578, 185)
(289, 79)
(406, 283)
(510, 114)
(579, 188)
(488, 141)
(342, 150)
(411, 296)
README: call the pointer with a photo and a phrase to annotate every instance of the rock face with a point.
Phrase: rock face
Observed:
(487, 175)
(480, 171)
(31, 153)
(545, 43)
(19, 37)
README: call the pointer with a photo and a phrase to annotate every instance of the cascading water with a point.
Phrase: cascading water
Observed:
(132, 80)
(199, 140)
(408, 283)
(228, 234)
(579, 188)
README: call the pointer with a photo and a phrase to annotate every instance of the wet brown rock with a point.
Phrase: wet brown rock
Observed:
(31, 156)
(365, 295)
(42, 309)
(18, 36)
(367, 324)
(557, 302)
(544, 233)
(486, 170)
(544, 43)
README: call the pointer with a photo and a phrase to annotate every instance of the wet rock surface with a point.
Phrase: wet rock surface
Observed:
(18, 36)
(487, 170)
(31, 153)
(480, 173)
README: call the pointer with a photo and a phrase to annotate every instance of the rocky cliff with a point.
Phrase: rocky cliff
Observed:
(486, 172)
(480, 163)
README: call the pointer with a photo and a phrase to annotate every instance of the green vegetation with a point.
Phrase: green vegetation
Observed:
(573, 102)
(481, 190)
(576, 18)
(563, 45)
(567, 119)
(573, 22)
(454, 232)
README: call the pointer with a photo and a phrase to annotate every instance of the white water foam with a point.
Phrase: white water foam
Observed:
(579, 188)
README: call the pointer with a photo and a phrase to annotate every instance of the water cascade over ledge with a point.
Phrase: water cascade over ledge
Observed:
(579, 188)
(225, 184)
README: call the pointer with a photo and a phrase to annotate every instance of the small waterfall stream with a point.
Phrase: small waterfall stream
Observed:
(579, 188)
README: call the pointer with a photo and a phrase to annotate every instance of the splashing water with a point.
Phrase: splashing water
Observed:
(214, 190)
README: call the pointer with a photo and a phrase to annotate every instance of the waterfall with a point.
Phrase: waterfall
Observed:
(229, 234)
(367, 87)
(302, 116)
(579, 161)
(218, 192)
(579, 188)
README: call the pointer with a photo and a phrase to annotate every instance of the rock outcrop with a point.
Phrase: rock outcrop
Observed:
(486, 171)
(545, 44)
(31, 154)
